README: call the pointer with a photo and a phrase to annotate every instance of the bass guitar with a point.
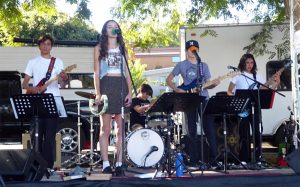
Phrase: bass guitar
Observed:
(194, 88)
(42, 88)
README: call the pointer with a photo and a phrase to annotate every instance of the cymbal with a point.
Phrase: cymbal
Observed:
(86, 94)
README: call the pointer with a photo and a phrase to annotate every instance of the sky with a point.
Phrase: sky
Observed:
(99, 8)
(101, 12)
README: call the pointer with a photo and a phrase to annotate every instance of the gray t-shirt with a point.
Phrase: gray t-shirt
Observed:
(188, 72)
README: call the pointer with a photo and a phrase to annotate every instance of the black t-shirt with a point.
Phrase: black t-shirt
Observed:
(136, 117)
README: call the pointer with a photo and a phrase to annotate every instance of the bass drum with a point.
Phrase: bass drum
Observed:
(144, 147)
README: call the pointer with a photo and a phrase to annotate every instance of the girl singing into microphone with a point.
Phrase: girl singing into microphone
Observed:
(109, 68)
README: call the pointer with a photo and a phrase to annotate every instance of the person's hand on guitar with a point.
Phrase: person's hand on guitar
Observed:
(63, 76)
(178, 90)
(33, 90)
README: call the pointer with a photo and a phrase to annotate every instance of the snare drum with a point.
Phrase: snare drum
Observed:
(157, 120)
(144, 147)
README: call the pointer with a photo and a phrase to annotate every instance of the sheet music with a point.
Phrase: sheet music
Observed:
(60, 107)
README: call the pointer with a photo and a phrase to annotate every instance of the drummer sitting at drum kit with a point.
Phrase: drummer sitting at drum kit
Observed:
(139, 106)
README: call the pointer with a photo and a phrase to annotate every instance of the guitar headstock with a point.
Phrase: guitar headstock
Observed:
(70, 68)
(287, 65)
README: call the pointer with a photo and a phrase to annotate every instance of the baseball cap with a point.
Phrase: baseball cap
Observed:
(191, 43)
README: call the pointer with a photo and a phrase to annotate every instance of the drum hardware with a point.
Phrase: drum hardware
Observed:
(169, 103)
(76, 159)
(90, 156)
(157, 120)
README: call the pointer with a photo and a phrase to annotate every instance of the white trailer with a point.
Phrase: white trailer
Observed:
(226, 49)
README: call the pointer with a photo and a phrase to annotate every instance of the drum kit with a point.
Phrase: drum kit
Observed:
(145, 148)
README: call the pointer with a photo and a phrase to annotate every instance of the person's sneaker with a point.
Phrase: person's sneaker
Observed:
(107, 170)
(119, 171)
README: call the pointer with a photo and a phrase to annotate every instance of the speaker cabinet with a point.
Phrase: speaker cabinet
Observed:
(57, 161)
(233, 137)
(22, 165)
(293, 160)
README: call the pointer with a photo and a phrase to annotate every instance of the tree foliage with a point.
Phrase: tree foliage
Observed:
(60, 26)
(151, 12)
(22, 18)
(144, 22)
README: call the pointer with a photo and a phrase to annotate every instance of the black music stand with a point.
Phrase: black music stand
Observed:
(171, 102)
(34, 106)
(227, 105)
(263, 99)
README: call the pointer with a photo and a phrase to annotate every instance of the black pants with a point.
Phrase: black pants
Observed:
(245, 151)
(210, 133)
(46, 139)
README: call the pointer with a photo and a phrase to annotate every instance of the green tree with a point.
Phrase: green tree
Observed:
(137, 70)
(146, 23)
(60, 26)
(198, 11)
(13, 14)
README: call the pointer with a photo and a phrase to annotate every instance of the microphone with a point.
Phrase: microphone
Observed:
(115, 31)
(153, 149)
(234, 68)
(194, 50)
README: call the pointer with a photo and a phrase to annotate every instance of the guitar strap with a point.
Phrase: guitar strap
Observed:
(49, 71)
(254, 84)
(200, 71)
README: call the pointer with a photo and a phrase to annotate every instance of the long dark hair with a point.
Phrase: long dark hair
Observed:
(104, 40)
(242, 64)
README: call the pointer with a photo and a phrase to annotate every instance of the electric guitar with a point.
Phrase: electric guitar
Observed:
(193, 88)
(271, 83)
(42, 88)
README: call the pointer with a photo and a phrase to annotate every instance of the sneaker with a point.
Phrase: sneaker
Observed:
(107, 170)
(119, 171)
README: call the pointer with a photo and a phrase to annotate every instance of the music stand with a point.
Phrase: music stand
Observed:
(263, 99)
(227, 105)
(34, 106)
(171, 102)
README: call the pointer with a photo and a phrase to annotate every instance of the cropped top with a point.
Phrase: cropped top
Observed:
(111, 64)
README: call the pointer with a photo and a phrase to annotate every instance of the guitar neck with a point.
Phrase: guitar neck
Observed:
(209, 83)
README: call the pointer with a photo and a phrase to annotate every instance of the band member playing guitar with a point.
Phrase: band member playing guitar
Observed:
(193, 69)
(41, 69)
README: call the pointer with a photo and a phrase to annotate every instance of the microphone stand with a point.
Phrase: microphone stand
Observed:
(201, 109)
(122, 50)
(260, 127)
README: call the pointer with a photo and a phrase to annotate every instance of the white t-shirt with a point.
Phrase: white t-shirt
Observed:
(38, 67)
(242, 82)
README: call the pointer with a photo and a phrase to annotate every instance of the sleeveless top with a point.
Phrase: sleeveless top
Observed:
(111, 64)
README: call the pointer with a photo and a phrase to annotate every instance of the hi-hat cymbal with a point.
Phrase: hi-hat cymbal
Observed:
(86, 94)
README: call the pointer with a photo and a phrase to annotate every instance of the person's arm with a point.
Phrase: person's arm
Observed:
(230, 89)
(170, 83)
(96, 74)
(273, 82)
(141, 109)
(29, 89)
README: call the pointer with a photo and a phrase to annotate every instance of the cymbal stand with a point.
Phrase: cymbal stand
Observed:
(78, 132)
(76, 159)
(93, 156)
